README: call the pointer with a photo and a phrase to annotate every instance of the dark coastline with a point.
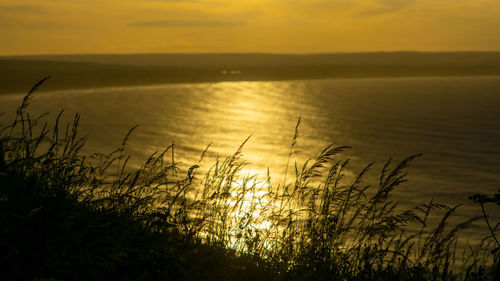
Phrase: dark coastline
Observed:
(96, 71)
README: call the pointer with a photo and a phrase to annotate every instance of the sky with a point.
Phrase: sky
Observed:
(239, 26)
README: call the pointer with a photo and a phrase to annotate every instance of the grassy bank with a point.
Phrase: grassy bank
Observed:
(69, 216)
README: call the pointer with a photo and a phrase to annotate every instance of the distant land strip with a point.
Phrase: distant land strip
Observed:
(83, 72)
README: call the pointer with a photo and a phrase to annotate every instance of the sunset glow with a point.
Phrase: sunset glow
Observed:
(133, 26)
(249, 140)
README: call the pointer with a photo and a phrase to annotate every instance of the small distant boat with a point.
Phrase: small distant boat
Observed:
(230, 72)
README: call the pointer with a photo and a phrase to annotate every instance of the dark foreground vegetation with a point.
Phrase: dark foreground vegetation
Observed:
(67, 216)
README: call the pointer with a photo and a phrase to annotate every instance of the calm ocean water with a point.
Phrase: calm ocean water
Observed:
(454, 122)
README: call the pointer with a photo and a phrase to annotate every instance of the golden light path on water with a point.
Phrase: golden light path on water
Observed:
(264, 112)
(230, 113)
(225, 114)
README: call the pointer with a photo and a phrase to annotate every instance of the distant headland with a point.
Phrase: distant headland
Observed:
(108, 70)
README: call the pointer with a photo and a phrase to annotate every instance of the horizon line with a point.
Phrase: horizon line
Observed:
(250, 53)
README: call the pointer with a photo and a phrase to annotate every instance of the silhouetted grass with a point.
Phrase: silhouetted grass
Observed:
(67, 216)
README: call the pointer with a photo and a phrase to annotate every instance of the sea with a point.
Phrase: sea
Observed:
(453, 121)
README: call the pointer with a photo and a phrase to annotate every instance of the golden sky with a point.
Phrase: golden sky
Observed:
(275, 26)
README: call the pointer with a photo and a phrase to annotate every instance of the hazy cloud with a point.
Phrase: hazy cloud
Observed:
(186, 23)
(20, 8)
(170, 1)
(389, 6)
(396, 4)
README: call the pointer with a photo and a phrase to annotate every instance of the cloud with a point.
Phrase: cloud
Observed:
(389, 6)
(396, 4)
(20, 8)
(170, 1)
(186, 23)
